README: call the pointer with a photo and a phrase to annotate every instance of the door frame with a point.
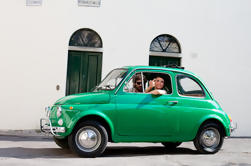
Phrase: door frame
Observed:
(83, 50)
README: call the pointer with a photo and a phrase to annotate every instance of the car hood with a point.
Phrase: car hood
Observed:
(85, 98)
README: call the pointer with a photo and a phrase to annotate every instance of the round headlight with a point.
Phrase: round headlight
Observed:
(60, 122)
(59, 111)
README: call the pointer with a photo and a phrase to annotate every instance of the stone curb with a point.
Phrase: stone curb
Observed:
(25, 133)
(38, 133)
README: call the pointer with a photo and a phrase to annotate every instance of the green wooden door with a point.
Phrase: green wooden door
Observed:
(83, 72)
(161, 61)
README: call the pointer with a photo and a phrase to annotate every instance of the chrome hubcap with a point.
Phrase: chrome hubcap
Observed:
(210, 138)
(88, 138)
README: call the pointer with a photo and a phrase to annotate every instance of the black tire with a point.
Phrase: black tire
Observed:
(171, 145)
(88, 139)
(209, 138)
(63, 143)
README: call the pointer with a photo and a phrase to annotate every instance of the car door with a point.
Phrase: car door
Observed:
(143, 114)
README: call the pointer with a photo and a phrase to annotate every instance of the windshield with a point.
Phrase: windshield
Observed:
(112, 80)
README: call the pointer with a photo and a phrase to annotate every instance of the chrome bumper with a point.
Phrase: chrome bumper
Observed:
(45, 126)
(233, 127)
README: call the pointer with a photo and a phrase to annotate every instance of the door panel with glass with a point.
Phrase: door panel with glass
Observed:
(143, 114)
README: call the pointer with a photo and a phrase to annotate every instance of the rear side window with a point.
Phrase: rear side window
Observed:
(187, 86)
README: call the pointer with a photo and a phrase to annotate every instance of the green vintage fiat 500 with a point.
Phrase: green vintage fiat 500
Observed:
(139, 104)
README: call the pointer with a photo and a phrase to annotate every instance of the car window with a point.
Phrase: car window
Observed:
(151, 76)
(187, 86)
(112, 80)
(140, 81)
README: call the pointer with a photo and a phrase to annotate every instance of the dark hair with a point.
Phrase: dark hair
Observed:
(159, 75)
(137, 77)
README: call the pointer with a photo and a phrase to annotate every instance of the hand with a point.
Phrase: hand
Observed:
(151, 83)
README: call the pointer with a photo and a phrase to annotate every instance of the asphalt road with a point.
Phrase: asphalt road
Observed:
(37, 150)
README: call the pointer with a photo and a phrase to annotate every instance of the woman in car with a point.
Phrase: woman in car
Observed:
(156, 86)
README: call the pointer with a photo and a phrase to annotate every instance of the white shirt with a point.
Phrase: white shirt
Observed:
(163, 92)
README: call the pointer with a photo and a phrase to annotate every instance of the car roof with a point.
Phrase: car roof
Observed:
(160, 68)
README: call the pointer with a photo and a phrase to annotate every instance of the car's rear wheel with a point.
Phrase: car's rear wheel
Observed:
(171, 145)
(209, 139)
(63, 143)
(89, 139)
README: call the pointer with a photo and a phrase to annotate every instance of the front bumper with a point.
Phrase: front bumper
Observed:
(46, 126)
(233, 127)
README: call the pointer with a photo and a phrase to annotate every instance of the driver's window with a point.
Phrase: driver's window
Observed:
(140, 83)
(135, 85)
(158, 81)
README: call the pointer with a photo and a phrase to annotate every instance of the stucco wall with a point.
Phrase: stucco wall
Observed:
(214, 37)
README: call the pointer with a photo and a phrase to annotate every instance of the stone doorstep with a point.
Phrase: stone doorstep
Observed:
(25, 133)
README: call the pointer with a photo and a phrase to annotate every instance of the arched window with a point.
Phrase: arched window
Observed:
(165, 43)
(86, 38)
(165, 50)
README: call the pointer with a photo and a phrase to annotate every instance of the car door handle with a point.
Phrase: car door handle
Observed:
(172, 102)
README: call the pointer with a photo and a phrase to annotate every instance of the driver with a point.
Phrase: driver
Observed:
(137, 83)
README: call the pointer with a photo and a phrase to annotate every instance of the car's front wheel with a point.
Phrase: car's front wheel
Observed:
(209, 139)
(89, 139)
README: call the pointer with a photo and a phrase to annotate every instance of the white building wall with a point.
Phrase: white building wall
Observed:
(214, 37)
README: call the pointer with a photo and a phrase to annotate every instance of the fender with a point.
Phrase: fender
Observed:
(82, 114)
(208, 117)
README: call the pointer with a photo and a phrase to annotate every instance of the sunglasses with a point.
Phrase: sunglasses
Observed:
(139, 83)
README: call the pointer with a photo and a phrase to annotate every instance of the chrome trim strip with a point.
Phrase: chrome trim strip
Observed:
(142, 80)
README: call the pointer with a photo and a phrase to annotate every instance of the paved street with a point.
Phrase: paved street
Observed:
(37, 150)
